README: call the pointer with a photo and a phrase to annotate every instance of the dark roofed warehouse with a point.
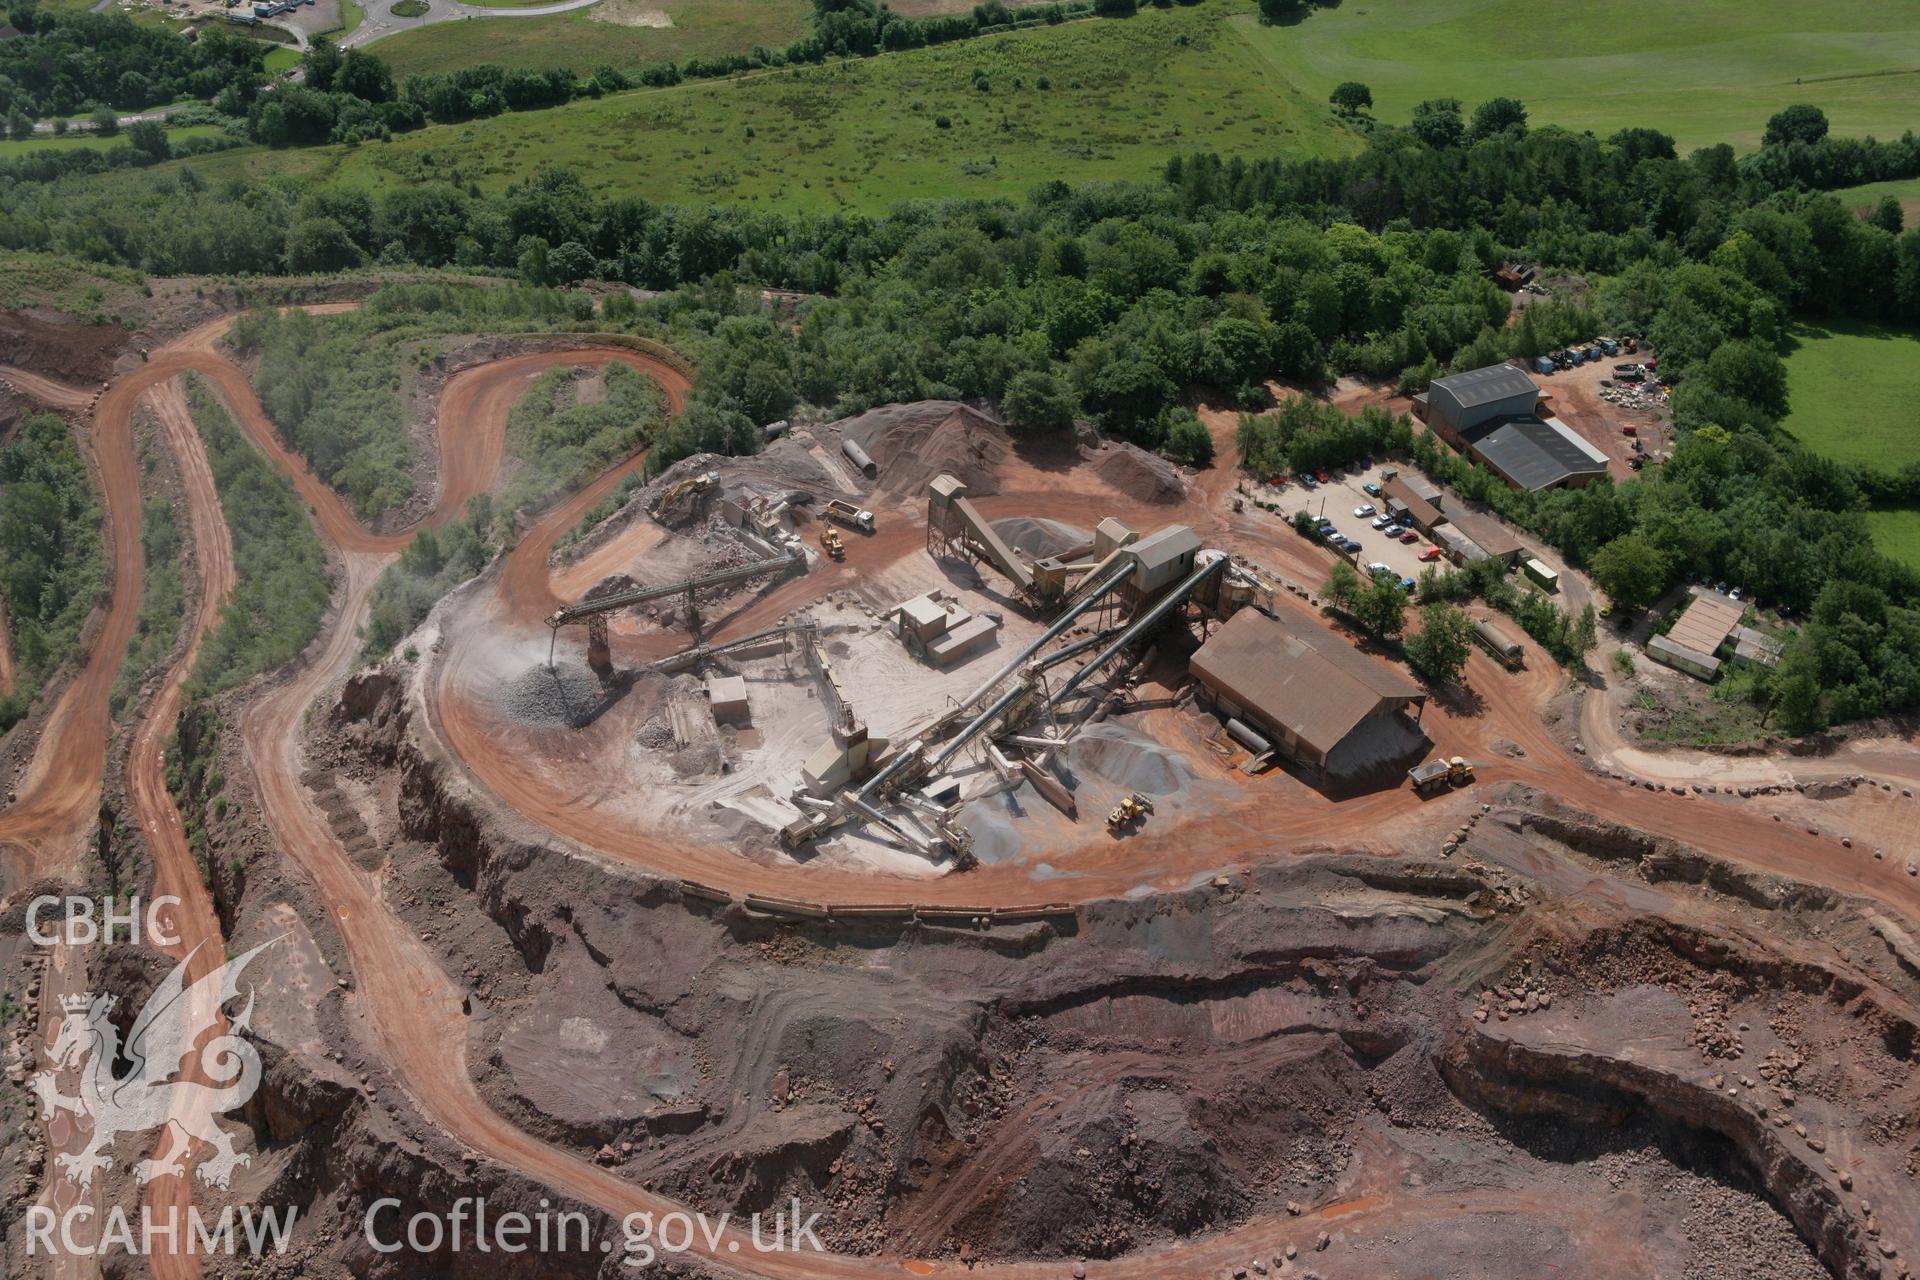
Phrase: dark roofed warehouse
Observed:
(1530, 454)
(1325, 704)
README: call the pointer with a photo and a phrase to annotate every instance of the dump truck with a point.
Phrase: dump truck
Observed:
(830, 539)
(1439, 774)
(844, 512)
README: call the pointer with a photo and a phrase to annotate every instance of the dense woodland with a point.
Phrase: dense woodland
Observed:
(64, 63)
(280, 587)
(52, 562)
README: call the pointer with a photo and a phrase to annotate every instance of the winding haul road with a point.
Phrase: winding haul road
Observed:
(414, 1009)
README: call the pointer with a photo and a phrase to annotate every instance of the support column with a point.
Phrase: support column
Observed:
(599, 650)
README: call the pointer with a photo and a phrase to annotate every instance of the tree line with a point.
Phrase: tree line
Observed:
(1108, 301)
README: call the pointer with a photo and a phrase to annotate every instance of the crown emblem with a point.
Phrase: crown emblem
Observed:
(78, 1003)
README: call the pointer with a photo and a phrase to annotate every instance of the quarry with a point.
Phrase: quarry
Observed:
(1003, 849)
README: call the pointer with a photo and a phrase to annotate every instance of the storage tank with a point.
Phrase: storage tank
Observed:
(858, 457)
(1506, 650)
(1248, 737)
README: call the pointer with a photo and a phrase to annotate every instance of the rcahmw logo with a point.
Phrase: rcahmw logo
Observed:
(165, 1038)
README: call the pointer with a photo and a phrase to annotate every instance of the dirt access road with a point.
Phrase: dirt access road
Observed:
(414, 1008)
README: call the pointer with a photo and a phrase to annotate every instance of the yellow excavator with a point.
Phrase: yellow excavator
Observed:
(698, 483)
(1134, 808)
(830, 539)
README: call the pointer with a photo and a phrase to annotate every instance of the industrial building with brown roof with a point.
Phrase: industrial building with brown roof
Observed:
(1488, 534)
(1424, 513)
(1324, 703)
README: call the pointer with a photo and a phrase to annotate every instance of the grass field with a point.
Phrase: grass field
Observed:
(1862, 199)
(1853, 386)
(621, 32)
(1118, 98)
(1897, 533)
(1706, 71)
(87, 140)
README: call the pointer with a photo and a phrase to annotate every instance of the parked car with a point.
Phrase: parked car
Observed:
(1366, 463)
(1408, 585)
(1349, 546)
(1380, 522)
(1373, 490)
(1364, 510)
(1430, 554)
(1409, 536)
(1379, 570)
(1308, 483)
(1322, 476)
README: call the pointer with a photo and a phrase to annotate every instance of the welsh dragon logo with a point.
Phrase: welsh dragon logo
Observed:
(147, 1096)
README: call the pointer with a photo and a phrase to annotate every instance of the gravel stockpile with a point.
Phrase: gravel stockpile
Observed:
(1038, 537)
(1142, 476)
(1128, 759)
(556, 697)
(913, 443)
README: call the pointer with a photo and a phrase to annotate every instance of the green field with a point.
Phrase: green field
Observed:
(1707, 71)
(1862, 199)
(1119, 97)
(1853, 387)
(1897, 533)
(620, 32)
(87, 140)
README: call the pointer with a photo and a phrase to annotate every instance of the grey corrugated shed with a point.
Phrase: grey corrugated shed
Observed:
(1754, 646)
(1165, 546)
(1484, 386)
(1301, 678)
(1681, 658)
(1163, 556)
